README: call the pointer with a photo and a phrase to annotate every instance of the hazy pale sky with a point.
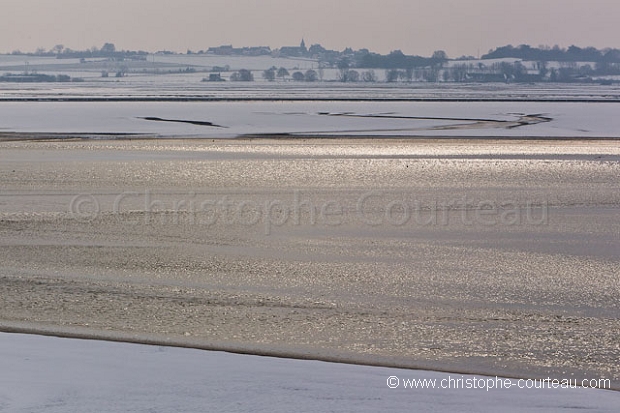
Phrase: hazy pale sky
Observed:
(415, 26)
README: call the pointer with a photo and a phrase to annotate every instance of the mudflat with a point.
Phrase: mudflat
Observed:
(491, 256)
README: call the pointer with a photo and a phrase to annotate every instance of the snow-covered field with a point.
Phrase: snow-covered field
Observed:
(181, 86)
(46, 374)
(118, 105)
(230, 119)
(168, 77)
(158, 64)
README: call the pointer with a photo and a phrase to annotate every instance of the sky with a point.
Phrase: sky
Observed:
(460, 27)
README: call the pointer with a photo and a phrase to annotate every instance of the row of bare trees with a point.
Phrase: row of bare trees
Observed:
(462, 72)
(311, 75)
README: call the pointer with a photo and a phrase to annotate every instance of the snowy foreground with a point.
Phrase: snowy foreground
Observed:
(65, 375)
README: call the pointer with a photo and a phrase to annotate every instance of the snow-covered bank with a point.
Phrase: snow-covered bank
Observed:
(66, 375)
(318, 118)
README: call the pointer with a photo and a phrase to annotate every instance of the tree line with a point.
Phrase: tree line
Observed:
(363, 58)
(555, 54)
(108, 50)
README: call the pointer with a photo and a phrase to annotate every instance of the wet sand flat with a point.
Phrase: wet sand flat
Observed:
(497, 257)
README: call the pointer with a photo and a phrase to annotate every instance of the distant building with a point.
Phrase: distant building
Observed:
(214, 77)
(229, 50)
(293, 51)
(226, 50)
(255, 51)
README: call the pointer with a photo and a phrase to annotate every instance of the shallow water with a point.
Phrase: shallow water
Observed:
(482, 256)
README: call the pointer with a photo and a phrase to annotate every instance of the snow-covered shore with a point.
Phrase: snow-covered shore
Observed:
(66, 375)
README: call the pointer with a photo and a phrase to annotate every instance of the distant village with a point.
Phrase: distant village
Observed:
(521, 64)
(315, 52)
(504, 64)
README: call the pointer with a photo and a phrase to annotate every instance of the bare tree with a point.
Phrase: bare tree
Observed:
(369, 76)
(459, 72)
(440, 56)
(311, 76)
(409, 74)
(108, 48)
(392, 75)
(542, 69)
(431, 74)
(353, 76)
(57, 49)
(242, 75)
(282, 73)
(269, 75)
(343, 67)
